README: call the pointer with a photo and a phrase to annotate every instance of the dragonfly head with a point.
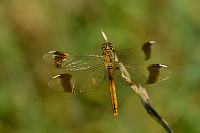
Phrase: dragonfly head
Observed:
(107, 46)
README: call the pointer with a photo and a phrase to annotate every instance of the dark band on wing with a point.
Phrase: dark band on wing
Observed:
(154, 72)
(65, 80)
(59, 57)
(147, 50)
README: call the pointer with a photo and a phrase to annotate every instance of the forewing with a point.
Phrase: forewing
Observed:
(138, 54)
(72, 62)
(79, 81)
(144, 74)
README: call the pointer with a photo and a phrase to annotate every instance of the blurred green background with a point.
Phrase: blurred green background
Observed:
(29, 29)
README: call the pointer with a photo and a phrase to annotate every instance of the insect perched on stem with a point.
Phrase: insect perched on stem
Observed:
(86, 72)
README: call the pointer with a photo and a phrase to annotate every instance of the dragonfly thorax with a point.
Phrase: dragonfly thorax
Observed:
(108, 52)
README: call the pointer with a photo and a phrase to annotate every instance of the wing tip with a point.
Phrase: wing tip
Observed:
(152, 41)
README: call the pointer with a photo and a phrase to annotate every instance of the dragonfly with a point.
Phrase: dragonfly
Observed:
(87, 72)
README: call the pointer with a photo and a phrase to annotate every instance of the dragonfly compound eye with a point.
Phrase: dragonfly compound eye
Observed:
(111, 46)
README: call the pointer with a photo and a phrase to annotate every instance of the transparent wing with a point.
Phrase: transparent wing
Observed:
(79, 81)
(144, 74)
(138, 54)
(72, 62)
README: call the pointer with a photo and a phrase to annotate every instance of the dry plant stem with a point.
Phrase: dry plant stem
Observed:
(145, 100)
